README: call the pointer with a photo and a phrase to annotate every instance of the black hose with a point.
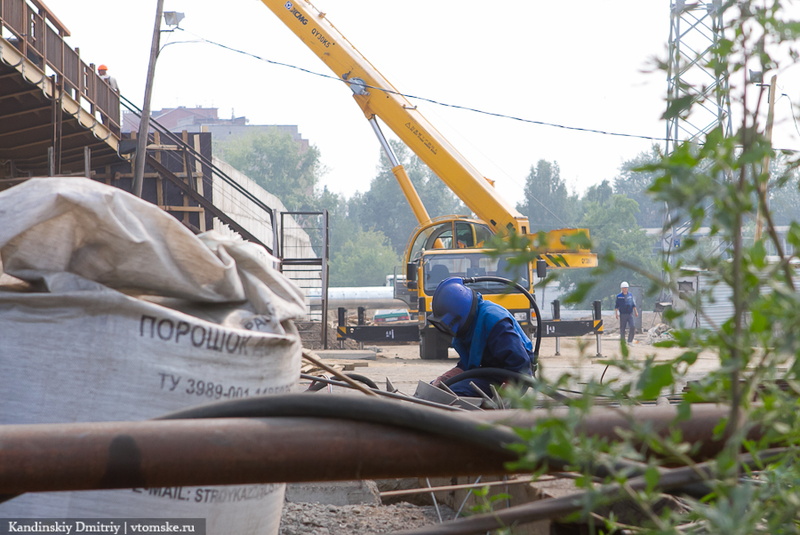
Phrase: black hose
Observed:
(373, 410)
(534, 306)
(525, 380)
(491, 372)
(494, 437)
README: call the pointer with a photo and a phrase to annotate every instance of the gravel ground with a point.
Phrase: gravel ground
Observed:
(318, 519)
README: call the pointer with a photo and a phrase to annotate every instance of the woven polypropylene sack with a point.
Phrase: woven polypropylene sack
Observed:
(111, 310)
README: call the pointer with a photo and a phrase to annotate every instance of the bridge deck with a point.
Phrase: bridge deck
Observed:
(53, 105)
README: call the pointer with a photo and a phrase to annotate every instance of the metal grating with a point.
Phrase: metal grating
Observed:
(304, 253)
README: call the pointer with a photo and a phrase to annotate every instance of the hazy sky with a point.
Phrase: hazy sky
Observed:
(583, 64)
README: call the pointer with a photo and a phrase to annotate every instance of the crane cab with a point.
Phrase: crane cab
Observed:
(448, 232)
(456, 247)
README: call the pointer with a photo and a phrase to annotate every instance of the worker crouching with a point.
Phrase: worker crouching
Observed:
(485, 335)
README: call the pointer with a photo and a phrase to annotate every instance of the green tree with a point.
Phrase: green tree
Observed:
(784, 193)
(363, 260)
(383, 206)
(277, 163)
(360, 252)
(341, 227)
(634, 182)
(547, 202)
(615, 234)
(599, 193)
(350, 240)
(357, 257)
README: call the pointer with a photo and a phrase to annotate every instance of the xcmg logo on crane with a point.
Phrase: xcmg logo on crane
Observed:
(299, 16)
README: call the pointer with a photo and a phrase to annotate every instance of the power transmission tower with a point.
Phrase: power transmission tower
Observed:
(695, 30)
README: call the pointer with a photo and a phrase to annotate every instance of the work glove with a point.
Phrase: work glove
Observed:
(447, 375)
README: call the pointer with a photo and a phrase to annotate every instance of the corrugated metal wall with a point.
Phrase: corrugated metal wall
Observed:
(716, 307)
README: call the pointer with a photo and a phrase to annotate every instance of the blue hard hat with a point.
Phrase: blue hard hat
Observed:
(453, 307)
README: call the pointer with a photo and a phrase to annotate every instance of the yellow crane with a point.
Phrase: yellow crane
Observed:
(448, 245)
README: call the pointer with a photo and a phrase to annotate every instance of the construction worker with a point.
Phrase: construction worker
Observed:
(625, 309)
(485, 335)
(102, 70)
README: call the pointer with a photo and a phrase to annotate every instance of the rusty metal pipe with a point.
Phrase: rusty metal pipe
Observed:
(606, 422)
(164, 453)
(80, 456)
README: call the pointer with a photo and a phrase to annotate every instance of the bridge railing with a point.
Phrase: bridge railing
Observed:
(38, 34)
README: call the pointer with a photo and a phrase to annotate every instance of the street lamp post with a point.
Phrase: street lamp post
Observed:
(171, 18)
(763, 186)
(144, 123)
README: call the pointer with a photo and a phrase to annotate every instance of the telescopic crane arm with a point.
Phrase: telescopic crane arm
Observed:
(378, 98)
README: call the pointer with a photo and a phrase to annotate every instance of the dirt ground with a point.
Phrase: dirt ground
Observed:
(584, 358)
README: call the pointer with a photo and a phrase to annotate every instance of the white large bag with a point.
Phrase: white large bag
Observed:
(123, 314)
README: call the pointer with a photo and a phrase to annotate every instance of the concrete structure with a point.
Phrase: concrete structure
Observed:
(334, 492)
(264, 226)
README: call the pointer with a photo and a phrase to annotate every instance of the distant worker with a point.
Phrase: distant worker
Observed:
(485, 335)
(102, 70)
(625, 310)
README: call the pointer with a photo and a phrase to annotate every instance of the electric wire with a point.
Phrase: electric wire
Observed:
(202, 39)
(199, 38)
(448, 105)
(426, 99)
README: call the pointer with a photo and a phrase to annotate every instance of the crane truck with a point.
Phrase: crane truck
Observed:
(447, 245)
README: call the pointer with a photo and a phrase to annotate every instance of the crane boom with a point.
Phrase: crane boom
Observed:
(377, 97)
